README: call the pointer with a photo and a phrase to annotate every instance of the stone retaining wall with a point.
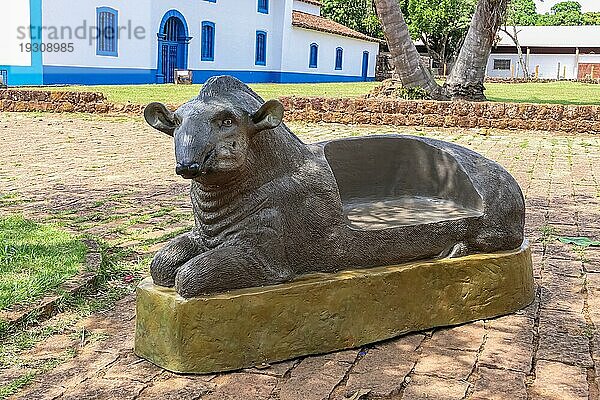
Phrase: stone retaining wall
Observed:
(552, 117)
(540, 80)
(38, 100)
(376, 111)
(59, 102)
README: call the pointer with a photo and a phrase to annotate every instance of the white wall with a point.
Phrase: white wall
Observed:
(307, 8)
(16, 14)
(236, 23)
(297, 53)
(548, 65)
(491, 72)
(589, 58)
(133, 53)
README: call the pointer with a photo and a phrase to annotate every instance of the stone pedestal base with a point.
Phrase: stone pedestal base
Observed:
(325, 313)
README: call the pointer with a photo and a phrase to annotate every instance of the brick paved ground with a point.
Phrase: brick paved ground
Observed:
(113, 178)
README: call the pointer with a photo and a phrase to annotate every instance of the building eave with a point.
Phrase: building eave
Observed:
(313, 2)
(316, 23)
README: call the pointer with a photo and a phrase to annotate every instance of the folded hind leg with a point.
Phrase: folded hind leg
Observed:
(457, 250)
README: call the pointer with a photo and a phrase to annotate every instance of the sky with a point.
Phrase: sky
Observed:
(586, 5)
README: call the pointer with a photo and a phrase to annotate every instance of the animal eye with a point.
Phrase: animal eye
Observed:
(227, 122)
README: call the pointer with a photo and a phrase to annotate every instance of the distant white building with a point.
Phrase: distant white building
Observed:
(76, 42)
(555, 52)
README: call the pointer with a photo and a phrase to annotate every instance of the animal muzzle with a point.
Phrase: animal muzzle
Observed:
(188, 171)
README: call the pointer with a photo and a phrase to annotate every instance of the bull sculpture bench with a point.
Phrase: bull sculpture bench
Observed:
(271, 212)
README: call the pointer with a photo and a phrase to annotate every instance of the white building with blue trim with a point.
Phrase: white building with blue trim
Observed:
(145, 41)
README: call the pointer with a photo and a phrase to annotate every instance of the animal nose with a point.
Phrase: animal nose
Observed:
(187, 171)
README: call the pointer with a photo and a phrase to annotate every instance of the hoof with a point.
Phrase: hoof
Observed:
(459, 250)
(189, 283)
(455, 251)
(163, 270)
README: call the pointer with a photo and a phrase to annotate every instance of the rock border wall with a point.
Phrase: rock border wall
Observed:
(375, 111)
(547, 117)
(13, 100)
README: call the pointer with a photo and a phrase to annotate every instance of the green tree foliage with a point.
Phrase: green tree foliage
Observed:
(356, 14)
(441, 25)
(444, 22)
(565, 13)
(521, 12)
(566, 6)
(590, 18)
(568, 13)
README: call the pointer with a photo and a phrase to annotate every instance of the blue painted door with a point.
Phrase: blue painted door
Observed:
(365, 66)
(172, 52)
(169, 61)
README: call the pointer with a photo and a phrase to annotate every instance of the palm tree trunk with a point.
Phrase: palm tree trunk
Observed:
(405, 57)
(466, 78)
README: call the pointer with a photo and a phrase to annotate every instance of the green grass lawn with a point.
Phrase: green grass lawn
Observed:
(34, 259)
(178, 94)
(555, 92)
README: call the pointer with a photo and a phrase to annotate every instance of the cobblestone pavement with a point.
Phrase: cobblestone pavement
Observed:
(115, 176)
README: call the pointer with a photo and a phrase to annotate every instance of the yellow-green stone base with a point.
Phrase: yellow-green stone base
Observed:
(324, 313)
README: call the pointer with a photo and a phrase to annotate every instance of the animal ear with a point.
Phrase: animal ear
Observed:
(269, 116)
(161, 118)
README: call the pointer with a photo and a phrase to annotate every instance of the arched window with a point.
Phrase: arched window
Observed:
(107, 21)
(263, 6)
(339, 58)
(208, 41)
(365, 66)
(261, 48)
(314, 56)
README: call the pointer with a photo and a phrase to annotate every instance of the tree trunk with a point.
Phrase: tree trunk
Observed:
(515, 38)
(405, 57)
(466, 78)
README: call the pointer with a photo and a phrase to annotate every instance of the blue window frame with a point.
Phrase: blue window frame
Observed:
(314, 56)
(263, 6)
(208, 41)
(261, 48)
(211, 1)
(339, 58)
(107, 21)
(365, 65)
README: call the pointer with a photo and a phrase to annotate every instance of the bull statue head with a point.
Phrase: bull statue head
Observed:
(213, 134)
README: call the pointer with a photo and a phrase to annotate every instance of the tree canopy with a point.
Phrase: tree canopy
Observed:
(448, 19)
(356, 14)
(441, 25)
(521, 12)
(563, 13)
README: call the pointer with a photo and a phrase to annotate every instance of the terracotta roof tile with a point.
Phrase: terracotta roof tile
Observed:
(317, 23)
(313, 2)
